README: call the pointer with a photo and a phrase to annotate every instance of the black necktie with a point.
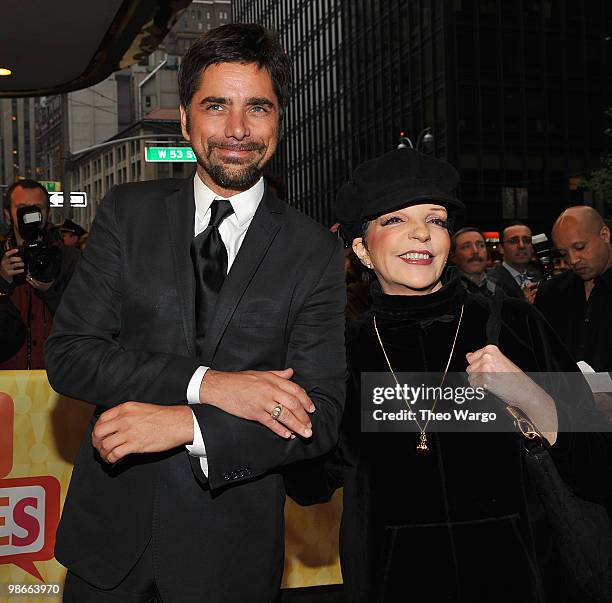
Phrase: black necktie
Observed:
(209, 258)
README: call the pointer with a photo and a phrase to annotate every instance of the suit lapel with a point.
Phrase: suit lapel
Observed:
(511, 282)
(266, 223)
(180, 211)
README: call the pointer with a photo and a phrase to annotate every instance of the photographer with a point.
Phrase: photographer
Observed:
(34, 269)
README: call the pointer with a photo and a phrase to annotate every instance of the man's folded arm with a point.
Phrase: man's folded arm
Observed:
(239, 449)
(84, 356)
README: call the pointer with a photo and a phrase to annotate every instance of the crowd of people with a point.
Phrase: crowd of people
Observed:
(223, 372)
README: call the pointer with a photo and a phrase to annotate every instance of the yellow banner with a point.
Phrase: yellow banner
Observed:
(40, 433)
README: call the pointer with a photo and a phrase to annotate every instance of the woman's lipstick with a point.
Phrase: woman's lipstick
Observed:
(418, 258)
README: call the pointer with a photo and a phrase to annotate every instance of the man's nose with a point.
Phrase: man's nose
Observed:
(236, 125)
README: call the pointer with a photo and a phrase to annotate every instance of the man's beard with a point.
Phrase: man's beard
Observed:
(240, 180)
(232, 175)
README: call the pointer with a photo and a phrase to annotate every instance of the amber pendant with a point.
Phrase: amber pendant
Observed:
(422, 446)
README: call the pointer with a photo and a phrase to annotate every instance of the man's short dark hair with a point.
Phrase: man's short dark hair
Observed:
(463, 231)
(25, 183)
(508, 225)
(236, 43)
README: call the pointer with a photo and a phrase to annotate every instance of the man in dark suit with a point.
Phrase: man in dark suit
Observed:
(517, 249)
(211, 292)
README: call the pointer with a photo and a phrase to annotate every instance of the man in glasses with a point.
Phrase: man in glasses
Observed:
(513, 275)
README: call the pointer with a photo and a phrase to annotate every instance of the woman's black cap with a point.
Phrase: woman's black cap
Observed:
(400, 178)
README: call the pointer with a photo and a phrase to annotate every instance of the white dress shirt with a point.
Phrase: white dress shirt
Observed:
(232, 231)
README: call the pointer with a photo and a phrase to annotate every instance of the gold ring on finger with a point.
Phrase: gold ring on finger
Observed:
(276, 411)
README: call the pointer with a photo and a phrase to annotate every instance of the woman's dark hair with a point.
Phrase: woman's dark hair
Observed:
(364, 231)
(236, 43)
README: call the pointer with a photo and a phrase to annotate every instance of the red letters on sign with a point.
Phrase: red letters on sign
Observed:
(28, 522)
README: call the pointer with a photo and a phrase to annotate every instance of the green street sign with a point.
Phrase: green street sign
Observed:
(157, 154)
(51, 185)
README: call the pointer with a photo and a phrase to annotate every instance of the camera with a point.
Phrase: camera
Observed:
(543, 251)
(41, 260)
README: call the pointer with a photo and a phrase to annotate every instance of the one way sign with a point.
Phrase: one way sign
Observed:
(76, 199)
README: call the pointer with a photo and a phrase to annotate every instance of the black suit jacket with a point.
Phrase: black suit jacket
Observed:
(507, 282)
(583, 325)
(126, 331)
(12, 329)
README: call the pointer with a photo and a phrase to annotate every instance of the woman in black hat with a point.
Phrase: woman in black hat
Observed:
(427, 515)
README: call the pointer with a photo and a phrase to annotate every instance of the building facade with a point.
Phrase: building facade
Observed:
(154, 80)
(199, 17)
(514, 94)
(118, 161)
(17, 141)
(92, 117)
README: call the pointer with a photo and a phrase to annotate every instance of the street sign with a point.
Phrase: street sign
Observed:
(51, 185)
(159, 154)
(76, 199)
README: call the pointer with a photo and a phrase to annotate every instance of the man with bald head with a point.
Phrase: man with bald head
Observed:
(577, 303)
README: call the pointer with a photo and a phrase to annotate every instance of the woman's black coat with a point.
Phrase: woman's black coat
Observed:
(460, 523)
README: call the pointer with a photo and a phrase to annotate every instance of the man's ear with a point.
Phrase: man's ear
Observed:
(185, 126)
(604, 233)
(361, 252)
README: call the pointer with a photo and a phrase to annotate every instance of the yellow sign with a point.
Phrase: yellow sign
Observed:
(40, 433)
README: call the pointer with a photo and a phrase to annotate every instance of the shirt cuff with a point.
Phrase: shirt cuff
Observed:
(197, 448)
(193, 389)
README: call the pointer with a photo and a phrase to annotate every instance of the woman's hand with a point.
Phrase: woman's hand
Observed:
(490, 369)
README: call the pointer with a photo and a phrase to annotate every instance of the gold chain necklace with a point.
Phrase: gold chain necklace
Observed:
(422, 446)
